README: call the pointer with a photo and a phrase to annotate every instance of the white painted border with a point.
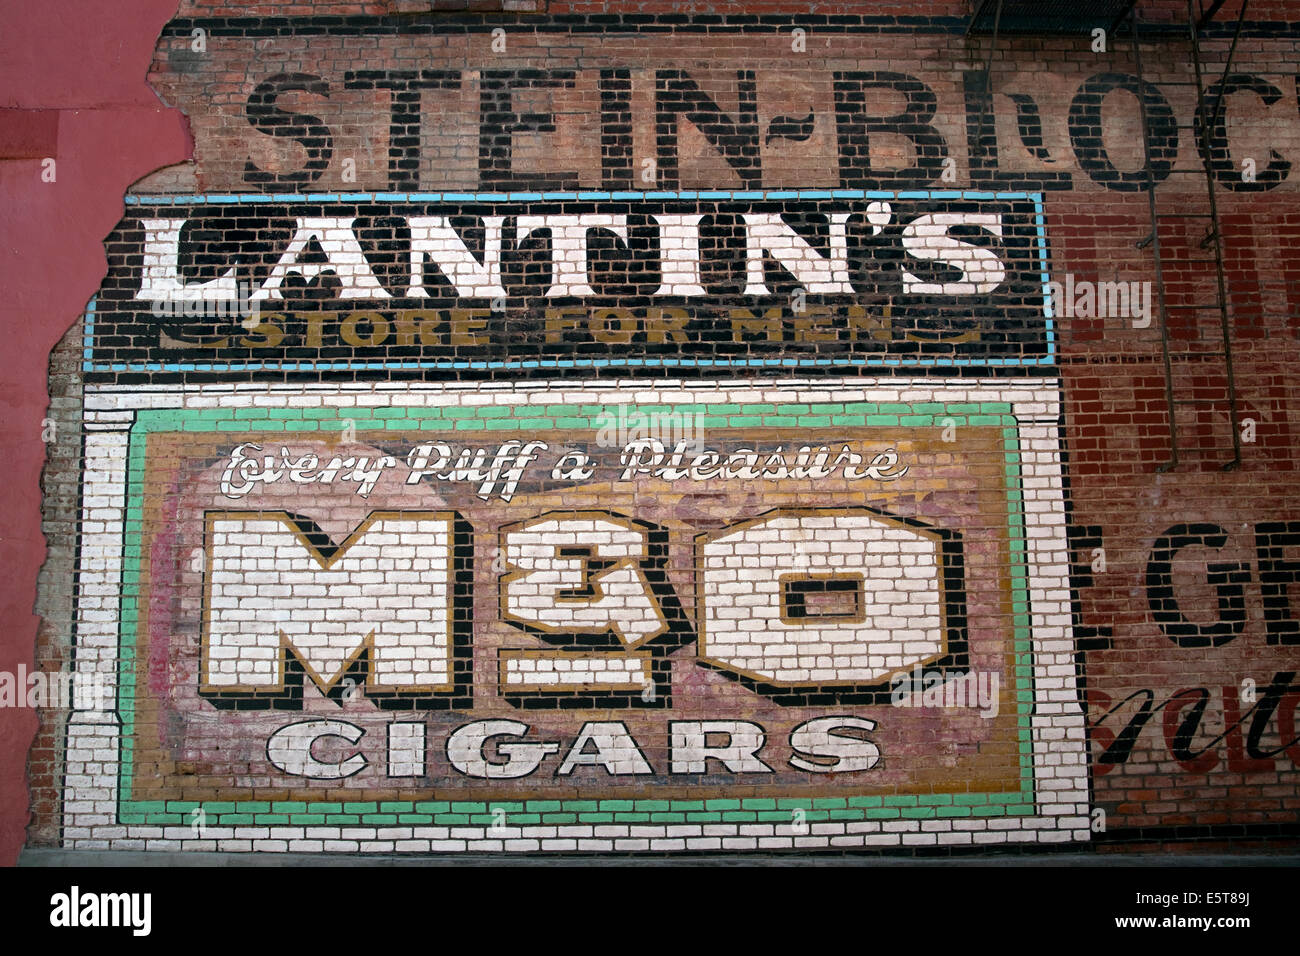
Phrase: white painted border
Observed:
(1057, 721)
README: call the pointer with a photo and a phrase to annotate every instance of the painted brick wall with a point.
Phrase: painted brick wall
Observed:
(554, 427)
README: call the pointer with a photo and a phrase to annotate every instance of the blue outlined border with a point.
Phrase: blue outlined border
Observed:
(89, 365)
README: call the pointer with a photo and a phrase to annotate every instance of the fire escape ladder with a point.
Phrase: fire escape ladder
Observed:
(1200, 388)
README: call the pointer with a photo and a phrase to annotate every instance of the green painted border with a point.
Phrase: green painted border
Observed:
(591, 811)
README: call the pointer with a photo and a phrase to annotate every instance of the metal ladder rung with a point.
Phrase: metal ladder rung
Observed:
(1203, 242)
(1175, 260)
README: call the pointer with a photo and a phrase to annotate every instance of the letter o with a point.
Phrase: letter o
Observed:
(379, 329)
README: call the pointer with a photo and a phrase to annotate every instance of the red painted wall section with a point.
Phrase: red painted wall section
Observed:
(85, 62)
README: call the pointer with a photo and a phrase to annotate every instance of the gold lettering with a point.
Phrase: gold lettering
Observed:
(559, 321)
(268, 327)
(408, 321)
(866, 324)
(747, 327)
(315, 324)
(614, 326)
(666, 325)
(468, 327)
(808, 328)
(379, 329)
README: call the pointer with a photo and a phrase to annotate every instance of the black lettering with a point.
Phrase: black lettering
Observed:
(855, 127)
(1263, 711)
(1083, 540)
(498, 123)
(1219, 156)
(1122, 746)
(982, 139)
(1276, 574)
(616, 129)
(264, 116)
(1086, 132)
(1180, 746)
(1227, 579)
(404, 118)
(676, 94)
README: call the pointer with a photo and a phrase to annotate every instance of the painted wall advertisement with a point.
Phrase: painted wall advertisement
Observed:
(552, 518)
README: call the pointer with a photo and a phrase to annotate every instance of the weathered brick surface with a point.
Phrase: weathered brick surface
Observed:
(543, 233)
